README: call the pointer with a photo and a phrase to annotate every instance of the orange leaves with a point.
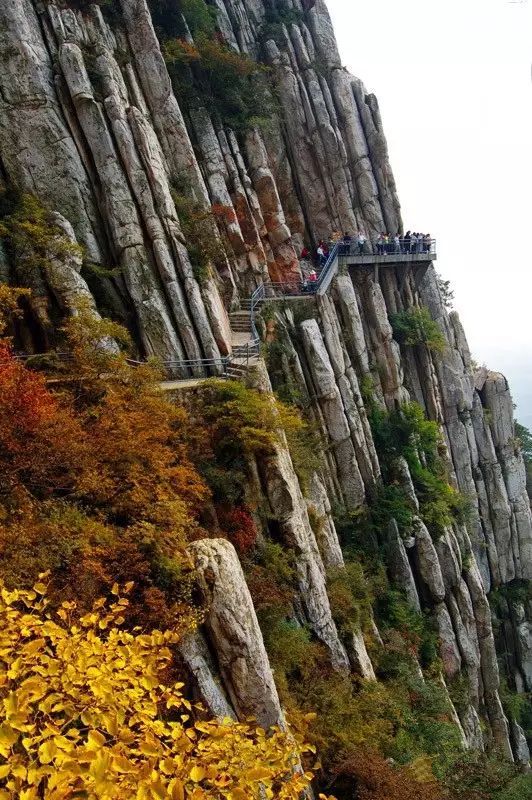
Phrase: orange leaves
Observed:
(23, 394)
(179, 51)
(39, 439)
(223, 213)
(377, 779)
(97, 483)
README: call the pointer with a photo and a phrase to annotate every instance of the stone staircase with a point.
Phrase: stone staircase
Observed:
(240, 321)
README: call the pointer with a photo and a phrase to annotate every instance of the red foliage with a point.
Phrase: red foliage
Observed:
(377, 779)
(267, 592)
(97, 485)
(39, 439)
(224, 213)
(23, 397)
(238, 524)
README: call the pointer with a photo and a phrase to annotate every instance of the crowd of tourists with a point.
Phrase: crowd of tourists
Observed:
(409, 243)
(384, 244)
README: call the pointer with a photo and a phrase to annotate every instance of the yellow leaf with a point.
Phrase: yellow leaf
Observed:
(121, 764)
(19, 771)
(115, 589)
(177, 790)
(110, 724)
(197, 774)
(158, 789)
(258, 774)
(95, 740)
(8, 737)
(47, 751)
(4, 770)
(149, 748)
(40, 588)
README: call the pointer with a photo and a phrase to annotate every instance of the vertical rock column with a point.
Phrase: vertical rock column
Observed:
(281, 487)
(233, 629)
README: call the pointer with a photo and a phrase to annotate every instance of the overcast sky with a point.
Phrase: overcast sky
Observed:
(453, 79)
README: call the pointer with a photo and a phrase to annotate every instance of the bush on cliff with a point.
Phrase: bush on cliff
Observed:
(524, 441)
(32, 236)
(210, 74)
(97, 479)
(88, 709)
(415, 326)
(405, 432)
(242, 423)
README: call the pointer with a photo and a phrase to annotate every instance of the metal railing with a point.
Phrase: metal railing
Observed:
(241, 355)
(391, 248)
(298, 287)
(189, 369)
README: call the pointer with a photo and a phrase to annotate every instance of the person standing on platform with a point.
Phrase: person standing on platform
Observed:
(345, 246)
(396, 244)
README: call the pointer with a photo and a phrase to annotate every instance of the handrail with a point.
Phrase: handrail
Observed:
(388, 249)
(295, 288)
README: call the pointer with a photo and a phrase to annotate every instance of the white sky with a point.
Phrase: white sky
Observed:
(453, 79)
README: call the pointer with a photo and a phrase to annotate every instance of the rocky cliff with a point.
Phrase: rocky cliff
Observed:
(93, 126)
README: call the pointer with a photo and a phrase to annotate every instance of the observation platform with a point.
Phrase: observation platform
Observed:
(418, 260)
(404, 256)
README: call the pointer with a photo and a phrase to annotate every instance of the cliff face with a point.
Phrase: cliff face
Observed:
(90, 124)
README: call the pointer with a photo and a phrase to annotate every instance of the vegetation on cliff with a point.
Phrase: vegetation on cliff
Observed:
(89, 709)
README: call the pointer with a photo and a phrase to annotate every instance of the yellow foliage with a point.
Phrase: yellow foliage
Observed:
(10, 304)
(85, 714)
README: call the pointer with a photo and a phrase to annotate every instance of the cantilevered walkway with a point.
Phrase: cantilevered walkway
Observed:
(404, 259)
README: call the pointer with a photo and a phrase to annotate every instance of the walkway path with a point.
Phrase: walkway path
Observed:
(245, 340)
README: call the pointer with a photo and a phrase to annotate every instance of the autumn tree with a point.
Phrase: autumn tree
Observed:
(97, 482)
(85, 711)
(375, 778)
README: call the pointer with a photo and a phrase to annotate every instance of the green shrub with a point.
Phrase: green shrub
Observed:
(234, 88)
(278, 355)
(367, 391)
(419, 638)
(168, 15)
(200, 231)
(516, 591)
(486, 777)
(32, 236)
(277, 560)
(524, 442)
(288, 645)
(270, 576)
(415, 326)
(364, 533)
(446, 293)
(406, 432)
(389, 502)
(274, 20)
(351, 597)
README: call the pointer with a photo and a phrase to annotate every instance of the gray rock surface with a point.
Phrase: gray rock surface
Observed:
(89, 122)
(233, 629)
